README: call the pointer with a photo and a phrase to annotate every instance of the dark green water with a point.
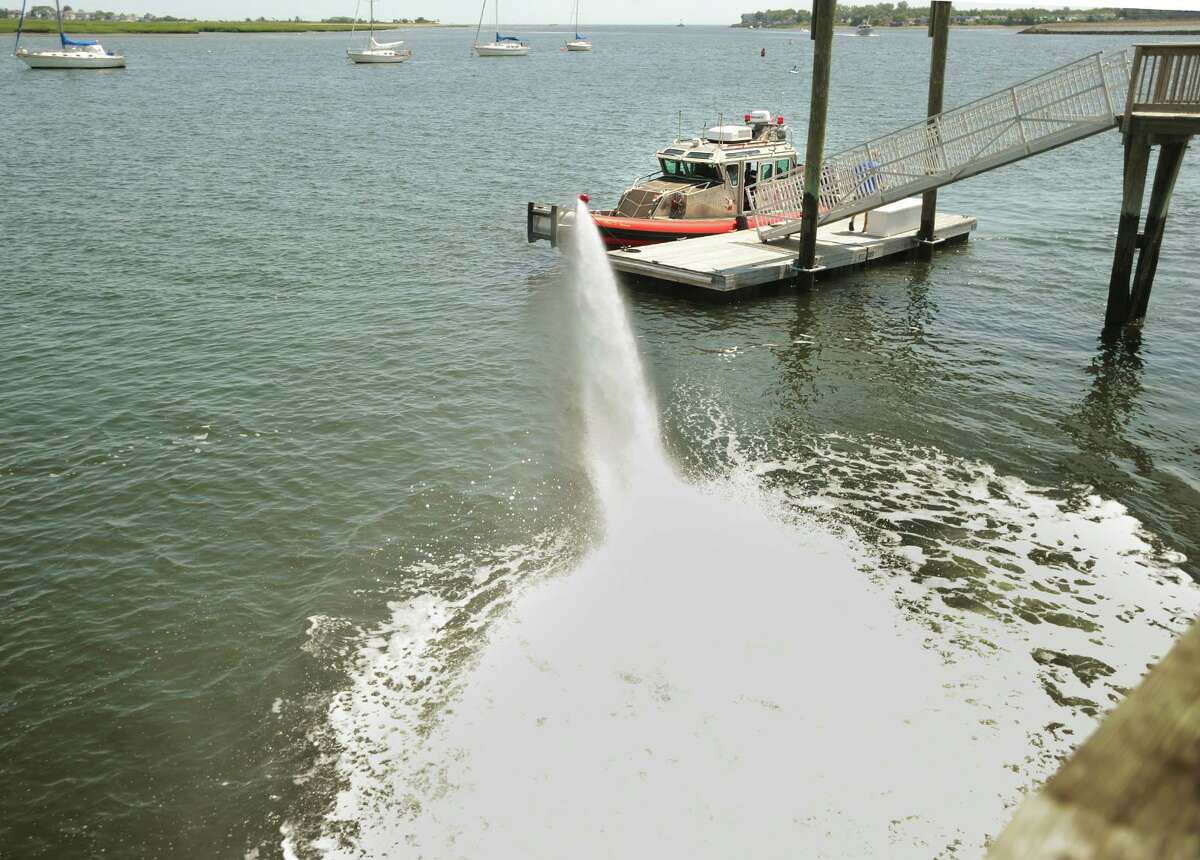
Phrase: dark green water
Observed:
(274, 354)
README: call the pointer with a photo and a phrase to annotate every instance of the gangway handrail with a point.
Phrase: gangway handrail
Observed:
(1057, 107)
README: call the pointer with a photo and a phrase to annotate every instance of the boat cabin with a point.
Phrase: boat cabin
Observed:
(707, 177)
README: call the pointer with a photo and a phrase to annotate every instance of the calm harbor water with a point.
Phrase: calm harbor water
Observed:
(292, 413)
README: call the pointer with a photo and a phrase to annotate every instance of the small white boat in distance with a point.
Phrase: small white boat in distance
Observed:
(76, 54)
(378, 52)
(580, 43)
(864, 29)
(504, 46)
(381, 52)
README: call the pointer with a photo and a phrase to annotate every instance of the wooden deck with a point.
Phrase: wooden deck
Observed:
(734, 262)
(1129, 792)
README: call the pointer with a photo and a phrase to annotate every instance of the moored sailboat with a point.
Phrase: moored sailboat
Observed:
(579, 43)
(74, 53)
(503, 46)
(378, 52)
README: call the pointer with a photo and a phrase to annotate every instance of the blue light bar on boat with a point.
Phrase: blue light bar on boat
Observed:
(500, 38)
(78, 43)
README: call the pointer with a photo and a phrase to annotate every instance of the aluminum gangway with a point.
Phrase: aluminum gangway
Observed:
(1062, 106)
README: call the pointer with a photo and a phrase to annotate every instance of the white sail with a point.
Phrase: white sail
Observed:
(377, 46)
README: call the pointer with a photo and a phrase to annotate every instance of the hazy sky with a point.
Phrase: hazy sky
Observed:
(525, 11)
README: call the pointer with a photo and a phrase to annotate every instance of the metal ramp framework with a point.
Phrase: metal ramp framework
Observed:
(1070, 103)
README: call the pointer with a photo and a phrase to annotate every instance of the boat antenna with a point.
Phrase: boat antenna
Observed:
(482, 9)
(20, 26)
(354, 23)
(679, 127)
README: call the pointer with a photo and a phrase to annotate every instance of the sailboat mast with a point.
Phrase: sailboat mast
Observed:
(20, 26)
(58, 9)
(372, 19)
(482, 10)
(497, 7)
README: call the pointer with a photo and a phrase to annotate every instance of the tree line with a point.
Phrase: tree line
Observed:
(901, 13)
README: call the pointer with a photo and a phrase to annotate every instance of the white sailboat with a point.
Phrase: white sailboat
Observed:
(74, 54)
(378, 52)
(579, 43)
(503, 46)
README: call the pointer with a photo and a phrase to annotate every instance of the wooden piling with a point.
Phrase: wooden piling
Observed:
(1137, 160)
(939, 31)
(821, 32)
(1170, 158)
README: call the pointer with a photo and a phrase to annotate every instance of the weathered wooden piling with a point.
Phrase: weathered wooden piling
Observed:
(1162, 109)
(1137, 160)
(1170, 159)
(821, 32)
(939, 31)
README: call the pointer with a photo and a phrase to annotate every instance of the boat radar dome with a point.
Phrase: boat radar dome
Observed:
(729, 134)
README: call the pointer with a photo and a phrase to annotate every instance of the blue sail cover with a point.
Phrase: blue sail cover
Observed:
(579, 38)
(78, 43)
(500, 38)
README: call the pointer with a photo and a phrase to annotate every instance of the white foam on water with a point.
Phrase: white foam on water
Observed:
(861, 650)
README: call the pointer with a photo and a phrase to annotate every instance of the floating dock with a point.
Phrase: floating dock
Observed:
(739, 262)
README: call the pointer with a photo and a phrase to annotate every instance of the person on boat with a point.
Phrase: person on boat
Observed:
(748, 179)
(763, 52)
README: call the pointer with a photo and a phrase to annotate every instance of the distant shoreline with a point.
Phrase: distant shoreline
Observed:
(1184, 27)
(9, 25)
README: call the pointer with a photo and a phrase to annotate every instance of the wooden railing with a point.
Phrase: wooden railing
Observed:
(1165, 79)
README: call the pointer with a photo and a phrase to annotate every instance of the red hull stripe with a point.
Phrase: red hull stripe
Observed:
(668, 227)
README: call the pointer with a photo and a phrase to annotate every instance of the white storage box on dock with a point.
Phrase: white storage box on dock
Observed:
(730, 133)
(894, 218)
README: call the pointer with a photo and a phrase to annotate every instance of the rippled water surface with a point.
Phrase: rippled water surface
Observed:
(292, 423)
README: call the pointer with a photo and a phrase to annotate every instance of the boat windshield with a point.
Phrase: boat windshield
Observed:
(690, 169)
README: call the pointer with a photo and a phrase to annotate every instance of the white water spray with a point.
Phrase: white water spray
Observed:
(621, 422)
(711, 682)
